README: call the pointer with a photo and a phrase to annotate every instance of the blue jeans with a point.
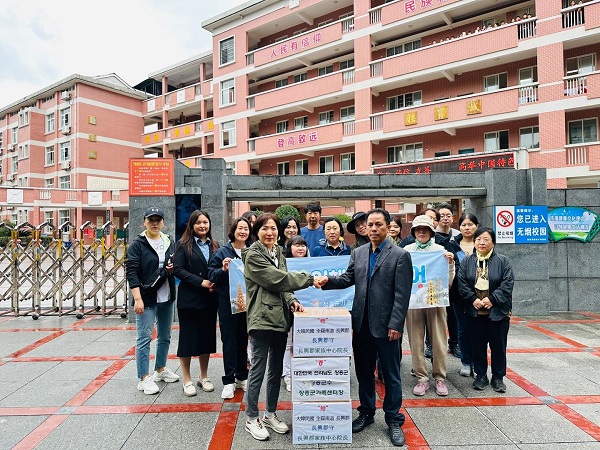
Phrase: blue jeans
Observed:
(162, 314)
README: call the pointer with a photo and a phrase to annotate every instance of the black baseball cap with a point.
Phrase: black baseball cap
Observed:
(154, 212)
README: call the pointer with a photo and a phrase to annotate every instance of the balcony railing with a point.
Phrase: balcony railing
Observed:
(349, 128)
(348, 25)
(71, 195)
(527, 29)
(348, 76)
(377, 69)
(528, 94)
(575, 85)
(375, 15)
(573, 16)
(45, 194)
(376, 123)
(577, 155)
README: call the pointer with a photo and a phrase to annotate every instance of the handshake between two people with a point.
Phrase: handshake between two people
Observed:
(320, 281)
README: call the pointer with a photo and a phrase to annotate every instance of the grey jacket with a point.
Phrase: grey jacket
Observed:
(501, 278)
(388, 291)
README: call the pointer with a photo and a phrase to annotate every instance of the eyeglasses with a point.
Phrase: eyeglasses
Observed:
(485, 240)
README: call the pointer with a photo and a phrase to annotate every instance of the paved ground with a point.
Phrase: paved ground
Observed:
(70, 384)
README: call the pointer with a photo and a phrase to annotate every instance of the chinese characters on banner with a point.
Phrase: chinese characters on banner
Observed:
(300, 138)
(149, 177)
(410, 6)
(303, 43)
(474, 163)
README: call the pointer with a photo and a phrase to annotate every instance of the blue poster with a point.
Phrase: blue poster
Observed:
(309, 297)
(430, 280)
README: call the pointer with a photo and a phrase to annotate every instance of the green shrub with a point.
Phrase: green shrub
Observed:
(344, 218)
(287, 210)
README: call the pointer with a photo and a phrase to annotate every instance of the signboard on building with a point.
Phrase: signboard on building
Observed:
(474, 162)
(151, 176)
(521, 224)
(573, 223)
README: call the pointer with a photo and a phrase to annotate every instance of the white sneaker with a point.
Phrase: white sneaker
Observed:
(256, 428)
(275, 424)
(288, 383)
(241, 384)
(167, 375)
(148, 386)
(228, 391)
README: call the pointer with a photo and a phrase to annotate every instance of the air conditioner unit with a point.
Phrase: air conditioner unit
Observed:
(10, 177)
(65, 165)
(66, 129)
(65, 95)
(11, 148)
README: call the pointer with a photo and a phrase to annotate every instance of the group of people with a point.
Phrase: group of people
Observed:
(380, 269)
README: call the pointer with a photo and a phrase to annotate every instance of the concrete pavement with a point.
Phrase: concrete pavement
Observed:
(70, 384)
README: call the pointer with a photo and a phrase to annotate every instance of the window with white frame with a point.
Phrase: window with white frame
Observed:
(529, 137)
(326, 164)
(394, 154)
(325, 117)
(15, 135)
(14, 164)
(413, 152)
(528, 75)
(347, 161)
(65, 151)
(50, 155)
(64, 215)
(301, 167)
(489, 22)
(1, 139)
(495, 82)
(325, 70)
(283, 168)
(227, 51)
(281, 83)
(466, 151)
(581, 64)
(346, 15)
(48, 217)
(228, 92)
(24, 151)
(583, 131)
(403, 48)
(347, 113)
(65, 117)
(325, 22)
(300, 122)
(24, 118)
(228, 134)
(64, 182)
(49, 182)
(49, 123)
(346, 64)
(300, 77)
(23, 182)
(280, 38)
(496, 140)
(404, 100)
(297, 32)
(282, 127)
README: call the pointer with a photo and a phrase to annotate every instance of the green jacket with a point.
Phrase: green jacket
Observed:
(268, 287)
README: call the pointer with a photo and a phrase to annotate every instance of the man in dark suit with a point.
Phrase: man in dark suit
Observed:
(382, 274)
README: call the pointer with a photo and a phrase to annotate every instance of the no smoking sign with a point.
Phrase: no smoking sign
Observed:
(505, 218)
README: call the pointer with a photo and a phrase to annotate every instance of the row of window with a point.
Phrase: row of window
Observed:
(325, 117)
(347, 162)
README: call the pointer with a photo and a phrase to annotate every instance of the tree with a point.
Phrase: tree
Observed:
(287, 210)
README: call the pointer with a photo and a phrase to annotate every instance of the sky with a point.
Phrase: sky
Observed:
(42, 42)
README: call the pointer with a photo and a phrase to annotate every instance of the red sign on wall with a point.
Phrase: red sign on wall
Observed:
(475, 162)
(151, 176)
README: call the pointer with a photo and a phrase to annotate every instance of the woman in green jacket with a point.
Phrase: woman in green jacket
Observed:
(270, 303)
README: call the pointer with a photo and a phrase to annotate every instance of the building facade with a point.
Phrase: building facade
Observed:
(366, 86)
(65, 149)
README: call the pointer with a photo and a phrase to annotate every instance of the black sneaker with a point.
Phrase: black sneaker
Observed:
(428, 352)
(498, 385)
(396, 435)
(454, 351)
(362, 422)
(480, 382)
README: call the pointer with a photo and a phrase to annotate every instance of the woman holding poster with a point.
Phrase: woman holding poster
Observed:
(486, 282)
(270, 302)
(434, 318)
(232, 313)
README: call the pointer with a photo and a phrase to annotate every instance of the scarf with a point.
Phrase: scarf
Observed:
(271, 253)
(482, 283)
(424, 246)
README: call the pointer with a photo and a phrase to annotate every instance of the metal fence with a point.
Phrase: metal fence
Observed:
(61, 273)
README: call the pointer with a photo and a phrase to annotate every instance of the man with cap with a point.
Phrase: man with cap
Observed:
(358, 227)
(433, 318)
(313, 232)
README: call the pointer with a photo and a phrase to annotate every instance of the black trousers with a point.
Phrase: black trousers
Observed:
(485, 331)
(234, 336)
(366, 347)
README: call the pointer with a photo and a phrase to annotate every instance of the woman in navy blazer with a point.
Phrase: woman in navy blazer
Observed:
(196, 300)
